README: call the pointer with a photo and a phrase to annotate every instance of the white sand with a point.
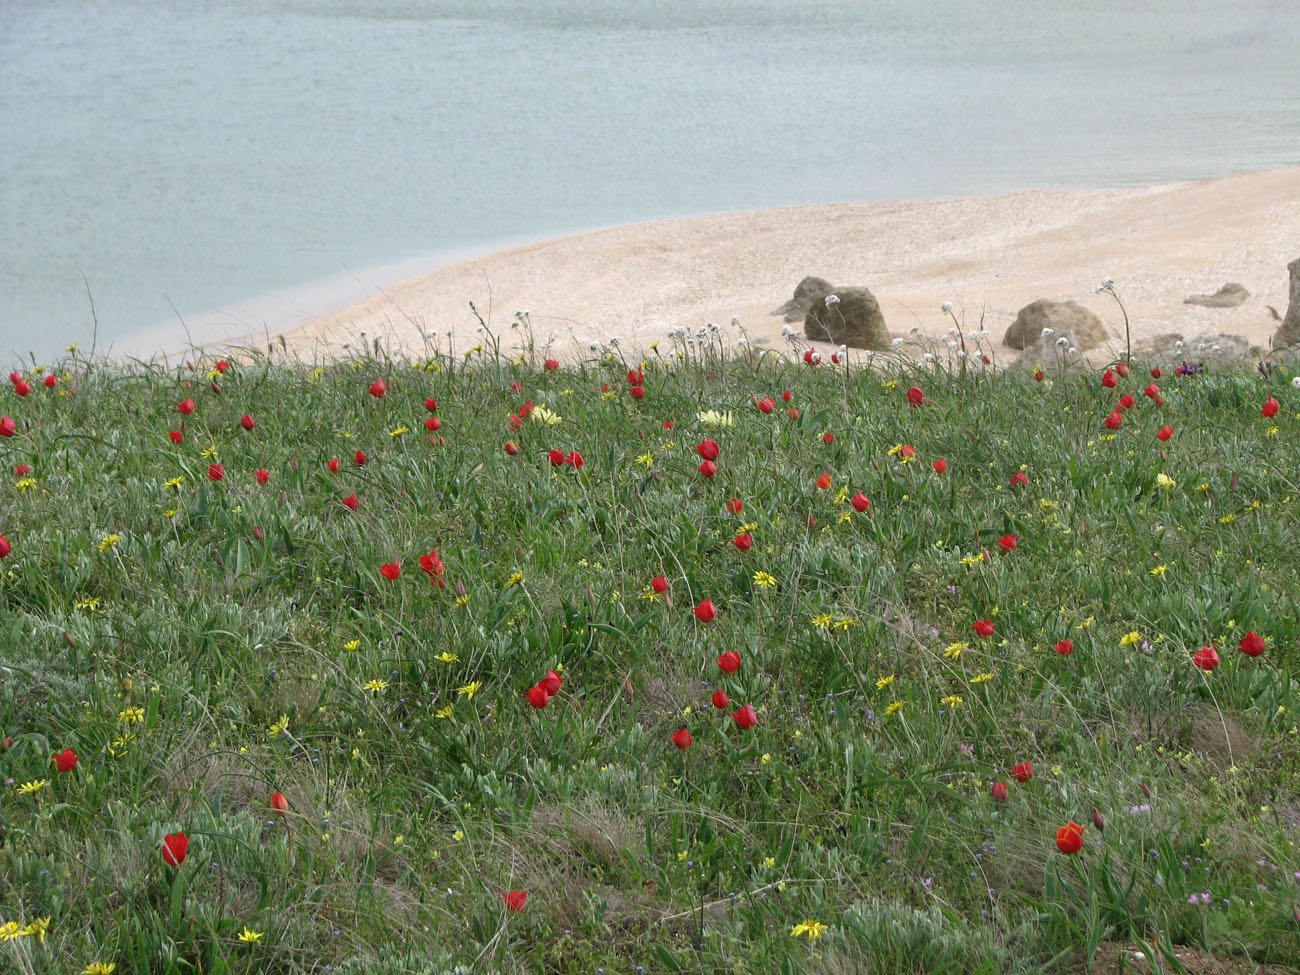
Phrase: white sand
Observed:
(989, 255)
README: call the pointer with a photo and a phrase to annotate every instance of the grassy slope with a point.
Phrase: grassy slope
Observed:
(413, 806)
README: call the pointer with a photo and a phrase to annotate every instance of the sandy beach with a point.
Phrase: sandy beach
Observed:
(989, 256)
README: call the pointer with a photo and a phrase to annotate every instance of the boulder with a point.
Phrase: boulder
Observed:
(1165, 342)
(1220, 348)
(1060, 316)
(855, 319)
(1229, 296)
(806, 292)
(1288, 333)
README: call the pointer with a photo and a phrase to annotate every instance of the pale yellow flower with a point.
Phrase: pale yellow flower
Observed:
(470, 689)
(134, 715)
(1165, 482)
(447, 657)
(279, 727)
(952, 701)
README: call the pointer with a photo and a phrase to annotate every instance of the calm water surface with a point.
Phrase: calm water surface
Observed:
(242, 164)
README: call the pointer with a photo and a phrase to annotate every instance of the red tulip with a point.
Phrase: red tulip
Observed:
(745, 717)
(668, 424)
(1007, 542)
(433, 424)
(659, 584)
(1165, 433)
(511, 448)
(1152, 391)
(1270, 408)
(828, 438)
(175, 846)
(983, 627)
(635, 377)
(22, 387)
(1039, 375)
(574, 460)
(551, 683)
(720, 699)
(766, 404)
(246, 422)
(333, 465)
(735, 506)
(223, 366)
(637, 392)
(999, 792)
(729, 662)
(915, 397)
(707, 449)
(1252, 644)
(705, 612)
(15, 376)
(682, 739)
(1108, 379)
(1022, 772)
(185, 406)
(359, 458)
(1155, 372)
(1065, 647)
(860, 502)
(940, 466)
(1097, 820)
(1069, 838)
(556, 457)
(744, 541)
(262, 475)
(824, 481)
(5, 547)
(390, 571)
(1019, 477)
(21, 470)
(279, 804)
(431, 405)
(216, 389)
(7, 427)
(812, 357)
(352, 501)
(1114, 421)
(432, 565)
(1126, 401)
(176, 436)
(1206, 658)
(1121, 368)
(516, 899)
(907, 450)
(551, 365)
(378, 389)
(50, 381)
(538, 697)
(216, 472)
(66, 760)
(708, 468)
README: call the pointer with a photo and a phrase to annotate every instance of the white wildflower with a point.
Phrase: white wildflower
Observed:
(1062, 341)
(896, 344)
(1295, 383)
(786, 332)
(1048, 331)
(735, 321)
(832, 300)
(946, 307)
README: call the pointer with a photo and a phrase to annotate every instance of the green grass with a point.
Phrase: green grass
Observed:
(216, 608)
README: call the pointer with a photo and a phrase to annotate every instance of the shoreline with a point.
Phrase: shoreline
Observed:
(989, 256)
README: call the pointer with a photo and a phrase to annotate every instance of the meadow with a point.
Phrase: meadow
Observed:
(718, 662)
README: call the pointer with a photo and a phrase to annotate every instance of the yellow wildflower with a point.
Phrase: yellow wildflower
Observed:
(1130, 638)
(133, 715)
(447, 657)
(470, 689)
(951, 701)
(764, 580)
(31, 788)
(374, 685)
(398, 431)
(100, 968)
(1159, 570)
(109, 541)
(443, 713)
(647, 459)
(516, 579)
(883, 682)
(279, 727)
(894, 708)
(970, 560)
(26, 484)
(548, 417)
(87, 602)
(822, 621)
(812, 929)
(981, 678)
(175, 482)
(954, 650)
(37, 928)
(1165, 482)
(845, 623)
(352, 645)
(249, 936)
(712, 418)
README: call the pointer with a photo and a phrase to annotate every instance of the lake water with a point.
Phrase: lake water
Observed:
(244, 164)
